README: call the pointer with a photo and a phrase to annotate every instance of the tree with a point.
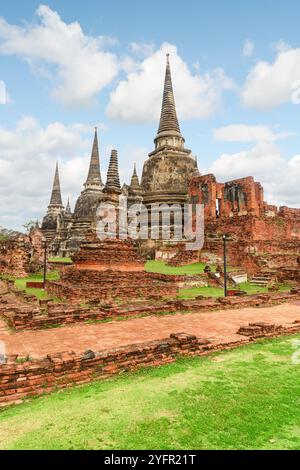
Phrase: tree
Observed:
(30, 225)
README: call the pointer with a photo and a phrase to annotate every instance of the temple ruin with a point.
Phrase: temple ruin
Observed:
(171, 176)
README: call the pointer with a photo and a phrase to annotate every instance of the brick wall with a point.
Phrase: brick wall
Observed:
(15, 256)
(238, 209)
(30, 316)
(21, 254)
(19, 381)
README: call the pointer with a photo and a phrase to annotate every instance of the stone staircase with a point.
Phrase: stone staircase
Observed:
(261, 279)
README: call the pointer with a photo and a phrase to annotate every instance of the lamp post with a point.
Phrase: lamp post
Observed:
(44, 242)
(225, 264)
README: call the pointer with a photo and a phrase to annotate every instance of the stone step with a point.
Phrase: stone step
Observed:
(259, 283)
(261, 280)
(263, 276)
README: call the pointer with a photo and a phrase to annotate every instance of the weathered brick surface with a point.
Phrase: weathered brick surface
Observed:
(21, 312)
(184, 256)
(107, 270)
(19, 381)
(259, 329)
(106, 286)
(261, 235)
(21, 254)
(109, 254)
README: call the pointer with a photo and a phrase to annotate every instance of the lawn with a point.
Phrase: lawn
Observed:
(253, 289)
(156, 266)
(60, 260)
(20, 283)
(247, 398)
(191, 293)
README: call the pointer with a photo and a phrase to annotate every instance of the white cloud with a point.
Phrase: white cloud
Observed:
(281, 46)
(130, 155)
(248, 48)
(245, 133)
(138, 97)
(76, 63)
(128, 64)
(28, 155)
(4, 94)
(279, 177)
(142, 48)
(270, 84)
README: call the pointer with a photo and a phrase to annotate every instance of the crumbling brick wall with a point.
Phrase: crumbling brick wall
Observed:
(18, 381)
(21, 254)
(90, 285)
(242, 198)
(256, 229)
(15, 254)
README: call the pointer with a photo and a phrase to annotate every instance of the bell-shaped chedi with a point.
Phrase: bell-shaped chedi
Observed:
(88, 201)
(167, 171)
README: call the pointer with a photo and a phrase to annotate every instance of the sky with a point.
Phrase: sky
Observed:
(66, 67)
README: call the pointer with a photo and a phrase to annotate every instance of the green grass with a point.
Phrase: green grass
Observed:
(60, 260)
(253, 289)
(156, 266)
(246, 398)
(191, 293)
(20, 283)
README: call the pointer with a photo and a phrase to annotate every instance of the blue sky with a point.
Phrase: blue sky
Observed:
(68, 66)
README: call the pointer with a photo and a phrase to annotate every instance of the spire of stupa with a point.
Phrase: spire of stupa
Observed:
(56, 199)
(168, 118)
(94, 175)
(113, 178)
(68, 207)
(135, 184)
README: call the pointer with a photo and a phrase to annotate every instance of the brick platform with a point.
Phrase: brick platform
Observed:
(110, 269)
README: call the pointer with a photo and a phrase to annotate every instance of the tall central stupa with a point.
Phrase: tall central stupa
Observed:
(170, 166)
